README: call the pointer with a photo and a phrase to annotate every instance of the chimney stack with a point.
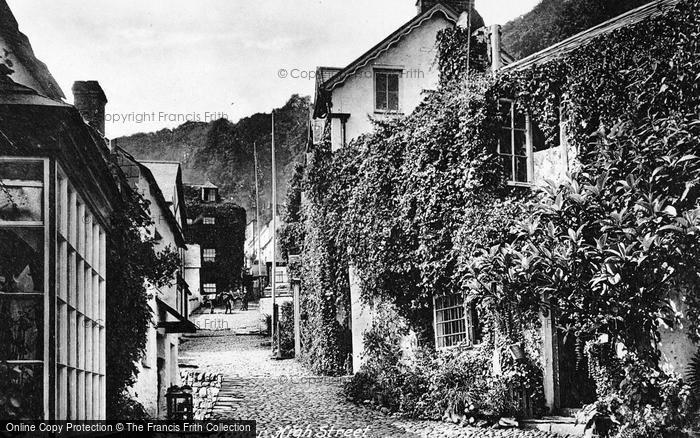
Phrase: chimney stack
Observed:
(90, 100)
(495, 48)
(459, 6)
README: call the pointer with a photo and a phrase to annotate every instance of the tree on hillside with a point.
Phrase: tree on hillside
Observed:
(552, 21)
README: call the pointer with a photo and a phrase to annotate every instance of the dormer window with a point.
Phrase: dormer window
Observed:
(209, 194)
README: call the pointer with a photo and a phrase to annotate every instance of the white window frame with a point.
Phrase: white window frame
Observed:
(450, 315)
(205, 194)
(281, 275)
(209, 255)
(206, 287)
(209, 220)
(399, 95)
(512, 173)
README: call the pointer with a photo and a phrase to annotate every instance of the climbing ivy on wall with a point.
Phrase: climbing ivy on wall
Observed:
(423, 209)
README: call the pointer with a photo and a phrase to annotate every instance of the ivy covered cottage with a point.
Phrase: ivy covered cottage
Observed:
(390, 79)
(535, 157)
(386, 82)
(217, 227)
(56, 197)
(532, 226)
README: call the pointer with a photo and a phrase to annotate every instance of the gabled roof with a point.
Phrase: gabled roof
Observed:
(373, 53)
(166, 174)
(568, 45)
(157, 193)
(12, 93)
(329, 78)
(22, 49)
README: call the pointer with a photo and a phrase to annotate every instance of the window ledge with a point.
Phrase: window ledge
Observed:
(466, 347)
(389, 113)
(520, 184)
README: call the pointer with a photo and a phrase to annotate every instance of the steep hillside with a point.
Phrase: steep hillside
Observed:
(554, 20)
(222, 152)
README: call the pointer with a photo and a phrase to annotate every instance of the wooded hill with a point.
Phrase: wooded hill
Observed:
(222, 152)
(552, 21)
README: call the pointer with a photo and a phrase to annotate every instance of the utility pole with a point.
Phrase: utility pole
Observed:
(257, 211)
(275, 335)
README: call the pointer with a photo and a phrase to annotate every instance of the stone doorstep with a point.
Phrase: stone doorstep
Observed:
(558, 425)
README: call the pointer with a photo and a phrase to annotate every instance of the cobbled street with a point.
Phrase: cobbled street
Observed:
(286, 400)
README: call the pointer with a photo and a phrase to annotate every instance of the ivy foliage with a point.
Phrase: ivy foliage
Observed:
(614, 249)
(325, 301)
(404, 206)
(615, 240)
(419, 208)
(133, 261)
(230, 221)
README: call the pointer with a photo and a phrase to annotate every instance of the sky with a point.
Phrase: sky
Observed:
(162, 63)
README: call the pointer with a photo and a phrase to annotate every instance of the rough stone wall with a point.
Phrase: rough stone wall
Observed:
(205, 391)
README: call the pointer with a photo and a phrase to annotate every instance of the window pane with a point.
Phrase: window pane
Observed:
(519, 119)
(504, 107)
(22, 386)
(21, 260)
(21, 327)
(23, 171)
(209, 255)
(393, 86)
(381, 82)
(21, 204)
(393, 101)
(505, 142)
(521, 169)
(381, 91)
(519, 146)
(382, 100)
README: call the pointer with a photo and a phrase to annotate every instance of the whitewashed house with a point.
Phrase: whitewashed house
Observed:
(161, 185)
(390, 78)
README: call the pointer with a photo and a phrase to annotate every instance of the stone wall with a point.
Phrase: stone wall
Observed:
(205, 391)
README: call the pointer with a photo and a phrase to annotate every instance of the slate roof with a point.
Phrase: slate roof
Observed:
(165, 173)
(22, 49)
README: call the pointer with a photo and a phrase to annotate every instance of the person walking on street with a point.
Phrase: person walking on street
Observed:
(228, 302)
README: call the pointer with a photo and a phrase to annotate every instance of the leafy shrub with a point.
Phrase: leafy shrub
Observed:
(126, 408)
(694, 373)
(286, 329)
(646, 403)
(434, 384)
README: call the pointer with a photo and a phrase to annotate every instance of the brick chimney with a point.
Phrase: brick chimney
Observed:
(90, 100)
(459, 6)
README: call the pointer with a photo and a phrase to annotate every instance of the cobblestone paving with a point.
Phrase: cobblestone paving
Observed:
(238, 322)
(287, 401)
